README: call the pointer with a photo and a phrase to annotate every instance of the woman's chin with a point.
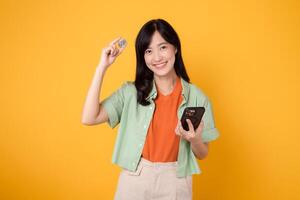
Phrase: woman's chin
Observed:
(164, 72)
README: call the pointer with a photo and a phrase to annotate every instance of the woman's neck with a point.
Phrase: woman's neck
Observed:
(166, 84)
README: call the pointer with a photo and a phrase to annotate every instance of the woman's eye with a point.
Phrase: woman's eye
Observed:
(163, 47)
(147, 51)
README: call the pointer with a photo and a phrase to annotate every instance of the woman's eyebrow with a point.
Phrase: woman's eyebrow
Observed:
(162, 43)
(158, 44)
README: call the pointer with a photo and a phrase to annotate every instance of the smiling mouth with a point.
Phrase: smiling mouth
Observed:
(160, 65)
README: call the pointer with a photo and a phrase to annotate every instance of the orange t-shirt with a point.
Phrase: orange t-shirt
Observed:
(162, 144)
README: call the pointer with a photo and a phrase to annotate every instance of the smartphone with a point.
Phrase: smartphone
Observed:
(195, 114)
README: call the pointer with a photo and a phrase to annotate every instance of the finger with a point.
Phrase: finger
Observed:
(182, 131)
(108, 50)
(177, 126)
(200, 128)
(115, 41)
(202, 124)
(185, 136)
(114, 50)
(177, 131)
(121, 50)
(113, 47)
(191, 127)
(180, 126)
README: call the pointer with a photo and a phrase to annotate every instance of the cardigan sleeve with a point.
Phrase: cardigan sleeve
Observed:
(210, 132)
(114, 104)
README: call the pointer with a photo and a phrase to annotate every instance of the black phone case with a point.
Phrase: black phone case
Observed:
(195, 114)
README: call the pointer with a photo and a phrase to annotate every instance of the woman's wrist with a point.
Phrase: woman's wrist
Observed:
(197, 140)
(199, 148)
(101, 68)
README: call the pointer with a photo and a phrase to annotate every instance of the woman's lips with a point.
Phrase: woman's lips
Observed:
(160, 65)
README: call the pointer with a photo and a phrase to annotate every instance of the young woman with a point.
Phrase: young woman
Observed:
(157, 155)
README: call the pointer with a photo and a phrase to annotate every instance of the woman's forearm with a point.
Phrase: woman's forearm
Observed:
(200, 149)
(91, 105)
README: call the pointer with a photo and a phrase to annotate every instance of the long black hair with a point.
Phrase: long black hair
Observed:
(144, 76)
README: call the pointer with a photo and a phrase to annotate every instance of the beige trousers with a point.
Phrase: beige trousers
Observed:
(153, 181)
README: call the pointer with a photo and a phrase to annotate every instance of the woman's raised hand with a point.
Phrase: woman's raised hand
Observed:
(110, 53)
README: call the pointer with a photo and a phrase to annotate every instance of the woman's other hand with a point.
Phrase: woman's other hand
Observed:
(191, 135)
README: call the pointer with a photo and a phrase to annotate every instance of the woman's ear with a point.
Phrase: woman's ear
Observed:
(175, 50)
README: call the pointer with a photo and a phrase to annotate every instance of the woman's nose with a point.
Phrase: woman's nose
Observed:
(157, 56)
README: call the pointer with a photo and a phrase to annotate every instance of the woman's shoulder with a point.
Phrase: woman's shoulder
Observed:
(128, 84)
(128, 87)
(197, 92)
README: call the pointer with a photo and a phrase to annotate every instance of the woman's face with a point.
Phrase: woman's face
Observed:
(160, 55)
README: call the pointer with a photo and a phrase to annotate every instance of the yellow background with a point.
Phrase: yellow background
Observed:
(243, 54)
